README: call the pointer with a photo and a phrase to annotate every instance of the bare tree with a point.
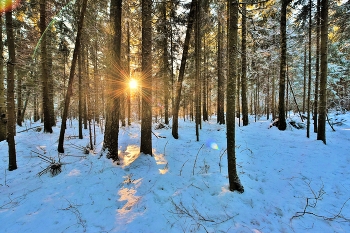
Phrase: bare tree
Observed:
(71, 78)
(176, 107)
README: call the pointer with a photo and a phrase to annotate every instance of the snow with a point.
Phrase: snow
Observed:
(184, 186)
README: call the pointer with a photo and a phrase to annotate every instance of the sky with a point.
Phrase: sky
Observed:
(292, 183)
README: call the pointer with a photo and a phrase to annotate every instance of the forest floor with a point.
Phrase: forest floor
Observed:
(292, 183)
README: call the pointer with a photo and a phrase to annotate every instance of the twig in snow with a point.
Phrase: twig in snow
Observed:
(195, 161)
(313, 204)
(183, 166)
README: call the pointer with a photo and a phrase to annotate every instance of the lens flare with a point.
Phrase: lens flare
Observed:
(8, 5)
(133, 84)
(210, 143)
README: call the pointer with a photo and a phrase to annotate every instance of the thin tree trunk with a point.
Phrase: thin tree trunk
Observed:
(19, 98)
(198, 66)
(71, 78)
(146, 123)
(165, 65)
(234, 182)
(322, 111)
(221, 79)
(282, 82)
(128, 72)
(304, 84)
(80, 104)
(44, 69)
(317, 65)
(3, 117)
(244, 67)
(11, 118)
(176, 107)
(309, 82)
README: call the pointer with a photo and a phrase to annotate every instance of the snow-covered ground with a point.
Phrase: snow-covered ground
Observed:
(292, 183)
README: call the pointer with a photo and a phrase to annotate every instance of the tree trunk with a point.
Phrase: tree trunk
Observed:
(71, 78)
(112, 121)
(19, 98)
(221, 78)
(304, 83)
(234, 182)
(165, 65)
(50, 81)
(309, 82)
(128, 72)
(317, 66)
(198, 66)
(282, 82)
(80, 104)
(176, 107)
(44, 69)
(146, 123)
(11, 118)
(322, 111)
(3, 117)
(244, 67)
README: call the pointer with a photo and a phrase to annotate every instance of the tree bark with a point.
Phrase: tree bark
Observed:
(221, 79)
(44, 69)
(244, 67)
(309, 81)
(282, 82)
(71, 78)
(317, 65)
(3, 117)
(146, 123)
(322, 111)
(112, 121)
(198, 66)
(234, 182)
(11, 118)
(80, 104)
(165, 64)
(176, 107)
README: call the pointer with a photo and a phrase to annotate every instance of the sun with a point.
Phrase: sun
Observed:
(133, 84)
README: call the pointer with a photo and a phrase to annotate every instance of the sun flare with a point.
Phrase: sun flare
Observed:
(133, 84)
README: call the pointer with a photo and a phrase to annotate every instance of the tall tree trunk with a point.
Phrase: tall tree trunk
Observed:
(282, 82)
(146, 123)
(44, 69)
(244, 67)
(50, 81)
(112, 121)
(221, 78)
(128, 72)
(71, 78)
(11, 118)
(198, 66)
(317, 65)
(85, 81)
(80, 104)
(309, 82)
(322, 111)
(304, 83)
(176, 107)
(273, 102)
(234, 182)
(19, 98)
(3, 117)
(165, 64)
